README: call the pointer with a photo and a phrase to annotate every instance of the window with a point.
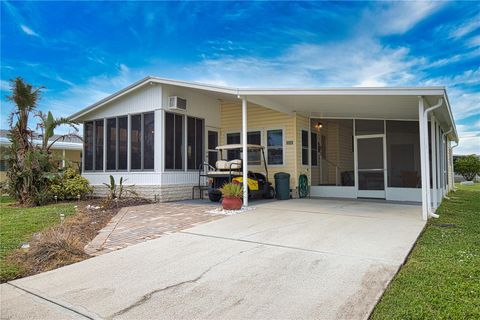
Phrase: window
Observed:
(122, 143)
(88, 145)
(148, 150)
(253, 137)
(305, 147)
(314, 143)
(403, 154)
(195, 129)
(173, 141)
(136, 142)
(112, 144)
(254, 157)
(98, 145)
(275, 147)
(233, 138)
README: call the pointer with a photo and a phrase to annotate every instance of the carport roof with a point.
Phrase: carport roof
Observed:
(368, 102)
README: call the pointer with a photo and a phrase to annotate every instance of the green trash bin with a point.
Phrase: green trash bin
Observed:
(282, 185)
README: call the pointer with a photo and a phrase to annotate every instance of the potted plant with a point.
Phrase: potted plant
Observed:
(232, 196)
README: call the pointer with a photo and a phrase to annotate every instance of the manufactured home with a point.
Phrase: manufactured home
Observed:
(386, 143)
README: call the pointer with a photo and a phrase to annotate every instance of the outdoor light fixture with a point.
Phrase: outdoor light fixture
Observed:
(319, 125)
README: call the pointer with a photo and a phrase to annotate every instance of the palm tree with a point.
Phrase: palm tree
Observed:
(48, 125)
(25, 98)
(31, 166)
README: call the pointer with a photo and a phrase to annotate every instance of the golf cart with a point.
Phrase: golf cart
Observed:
(232, 170)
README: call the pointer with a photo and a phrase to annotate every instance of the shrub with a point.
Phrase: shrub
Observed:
(117, 191)
(230, 189)
(467, 166)
(55, 248)
(70, 185)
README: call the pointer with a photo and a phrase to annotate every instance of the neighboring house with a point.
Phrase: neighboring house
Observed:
(350, 142)
(66, 151)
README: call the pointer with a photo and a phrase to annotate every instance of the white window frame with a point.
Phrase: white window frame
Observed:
(283, 147)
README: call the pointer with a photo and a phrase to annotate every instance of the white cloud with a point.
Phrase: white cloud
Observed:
(29, 31)
(356, 62)
(465, 28)
(398, 17)
(4, 85)
(474, 41)
(469, 137)
(465, 103)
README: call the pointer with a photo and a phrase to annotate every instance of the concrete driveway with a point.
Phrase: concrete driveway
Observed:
(302, 259)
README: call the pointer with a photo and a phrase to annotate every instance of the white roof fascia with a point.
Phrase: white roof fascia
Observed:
(253, 95)
(409, 91)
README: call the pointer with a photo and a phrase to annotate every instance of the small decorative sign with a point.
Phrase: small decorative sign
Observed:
(290, 142)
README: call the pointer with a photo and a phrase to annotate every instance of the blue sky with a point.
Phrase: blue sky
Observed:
(84, 51)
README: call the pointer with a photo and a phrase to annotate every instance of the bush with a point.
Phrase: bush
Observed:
(232, 189)
(70, 186)
(467, 166)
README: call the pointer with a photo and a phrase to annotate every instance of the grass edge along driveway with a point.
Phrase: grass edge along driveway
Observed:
(18, 224)
(441, 278)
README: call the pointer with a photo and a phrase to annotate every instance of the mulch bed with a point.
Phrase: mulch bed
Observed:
(64, 244)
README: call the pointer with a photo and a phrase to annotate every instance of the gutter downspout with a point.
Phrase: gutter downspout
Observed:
(444, 138)
(453, 171)
(427, 165)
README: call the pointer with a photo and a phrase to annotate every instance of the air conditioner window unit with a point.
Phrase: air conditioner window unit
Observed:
(177, 103)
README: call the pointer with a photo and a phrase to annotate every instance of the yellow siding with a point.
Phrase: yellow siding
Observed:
(263, 119)
(302, 123)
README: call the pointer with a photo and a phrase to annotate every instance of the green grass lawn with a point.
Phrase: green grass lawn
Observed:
(441, 278)
(475, 187)
(18, 224)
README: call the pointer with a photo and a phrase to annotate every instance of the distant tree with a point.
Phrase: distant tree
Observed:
(31, 167)
(467, 166)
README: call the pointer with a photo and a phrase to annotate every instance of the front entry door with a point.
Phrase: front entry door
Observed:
(370, 166)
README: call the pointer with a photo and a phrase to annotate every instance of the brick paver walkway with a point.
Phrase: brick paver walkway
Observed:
(137, 224)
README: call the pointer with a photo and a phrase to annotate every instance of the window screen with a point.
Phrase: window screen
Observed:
(173, 141)
(403, 154)
(111, 144)
(195, 129)
(88, 145)
(98, 145)
(148, 141)
(136, 142)
(366, 127)
(122, 143)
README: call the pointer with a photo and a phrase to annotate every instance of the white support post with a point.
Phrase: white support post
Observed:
(129, 142)
(63, 158)
(245, 152)
(423, 158)
(438, 166)
(433, 138)
(427, 164)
